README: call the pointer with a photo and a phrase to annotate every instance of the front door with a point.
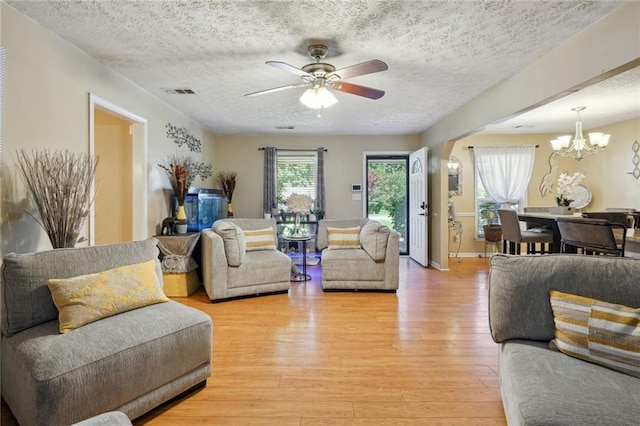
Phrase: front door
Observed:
(418, 206)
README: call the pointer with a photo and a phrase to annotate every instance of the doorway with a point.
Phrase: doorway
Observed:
(119, 138)
(113, 145)
(386, 197)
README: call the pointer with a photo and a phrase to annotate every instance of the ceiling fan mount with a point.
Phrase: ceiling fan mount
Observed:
(321, 74)
(318, 51)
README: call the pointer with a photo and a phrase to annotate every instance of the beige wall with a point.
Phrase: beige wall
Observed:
(610, 46)
(606, 175)
(343, 166)
(46, 105)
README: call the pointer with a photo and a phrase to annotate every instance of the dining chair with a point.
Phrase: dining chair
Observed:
(514, 236)
(628, 219)
(593, 236)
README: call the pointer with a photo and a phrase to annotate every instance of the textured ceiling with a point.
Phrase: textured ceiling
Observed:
(441, 54)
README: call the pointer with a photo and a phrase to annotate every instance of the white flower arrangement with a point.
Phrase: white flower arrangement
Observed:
(566, 183)
(299, 203)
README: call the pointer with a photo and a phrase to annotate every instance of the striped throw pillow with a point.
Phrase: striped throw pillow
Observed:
(600, 332)
(571, 318)
(260, 239)
(614, 337)
(343, 238)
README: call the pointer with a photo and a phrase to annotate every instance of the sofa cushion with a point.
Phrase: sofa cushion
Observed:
(26, 297)
(235, 245)
(63, 378)
(544, 387)
(260, 239)
(343, 238)
(373, 239)
(88, 298)
(350, 265)
(603, 333)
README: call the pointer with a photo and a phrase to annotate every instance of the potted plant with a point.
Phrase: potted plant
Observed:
(566, 184)
(492, 230)
(317, 213)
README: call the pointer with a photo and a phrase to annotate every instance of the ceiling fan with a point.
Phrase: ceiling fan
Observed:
(320, 77)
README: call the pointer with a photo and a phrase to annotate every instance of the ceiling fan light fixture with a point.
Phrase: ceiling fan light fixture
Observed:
(318, 97)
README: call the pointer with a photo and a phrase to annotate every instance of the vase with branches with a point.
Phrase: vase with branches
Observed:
(182, 171)
(60, 184)
(227, 182)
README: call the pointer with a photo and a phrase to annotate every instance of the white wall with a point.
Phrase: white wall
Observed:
(47, 106)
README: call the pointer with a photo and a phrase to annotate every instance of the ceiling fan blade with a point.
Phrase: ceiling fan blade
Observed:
(277, 89)
(356, 89)
(368, 67)
(289, 68)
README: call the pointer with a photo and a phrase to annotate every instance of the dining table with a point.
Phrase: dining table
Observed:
(548, 220)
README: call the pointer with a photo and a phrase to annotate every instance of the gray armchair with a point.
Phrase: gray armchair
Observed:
(372, 266)
(229, 270)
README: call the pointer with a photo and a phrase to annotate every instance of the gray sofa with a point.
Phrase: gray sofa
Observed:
(541, 386)
(129, 362)
(230, 271)
(374, 266)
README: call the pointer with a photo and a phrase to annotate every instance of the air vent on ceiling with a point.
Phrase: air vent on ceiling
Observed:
(178, 91)
(524, 126)
(285, 127)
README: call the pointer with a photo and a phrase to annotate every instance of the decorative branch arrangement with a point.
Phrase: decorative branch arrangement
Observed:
(182, 136)
(182, 171)
(227, 181)
(60, 185)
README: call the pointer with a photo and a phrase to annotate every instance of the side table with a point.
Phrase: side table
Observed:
(178, 267)
(304, 276)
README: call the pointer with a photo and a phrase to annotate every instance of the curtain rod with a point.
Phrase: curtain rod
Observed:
(295, 149)
(471, 146)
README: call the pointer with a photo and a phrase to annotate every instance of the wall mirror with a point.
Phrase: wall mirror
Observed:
(455, 176)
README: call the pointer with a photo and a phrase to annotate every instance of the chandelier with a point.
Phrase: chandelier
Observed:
(579, 147)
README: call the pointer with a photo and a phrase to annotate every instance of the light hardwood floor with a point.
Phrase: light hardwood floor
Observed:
(422, 356)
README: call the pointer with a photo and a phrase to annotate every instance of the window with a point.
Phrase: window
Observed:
(487, 208)
(296, 173)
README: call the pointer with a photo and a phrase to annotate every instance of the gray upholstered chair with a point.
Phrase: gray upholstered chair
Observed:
(513, 236)
(372, 265)
(593, 236)
(229, 270)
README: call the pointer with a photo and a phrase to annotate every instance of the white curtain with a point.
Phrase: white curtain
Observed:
(505, 171)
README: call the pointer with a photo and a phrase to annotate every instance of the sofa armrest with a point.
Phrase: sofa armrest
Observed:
(374, 239)
(214, 264)
(519, 306)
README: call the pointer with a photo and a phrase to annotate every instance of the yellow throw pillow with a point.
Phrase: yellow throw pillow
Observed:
(260, 239)
(87, 298)
(343, 238)
(599, 332)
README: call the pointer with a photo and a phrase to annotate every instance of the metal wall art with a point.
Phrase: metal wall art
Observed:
(181, 136)
(635, 160)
